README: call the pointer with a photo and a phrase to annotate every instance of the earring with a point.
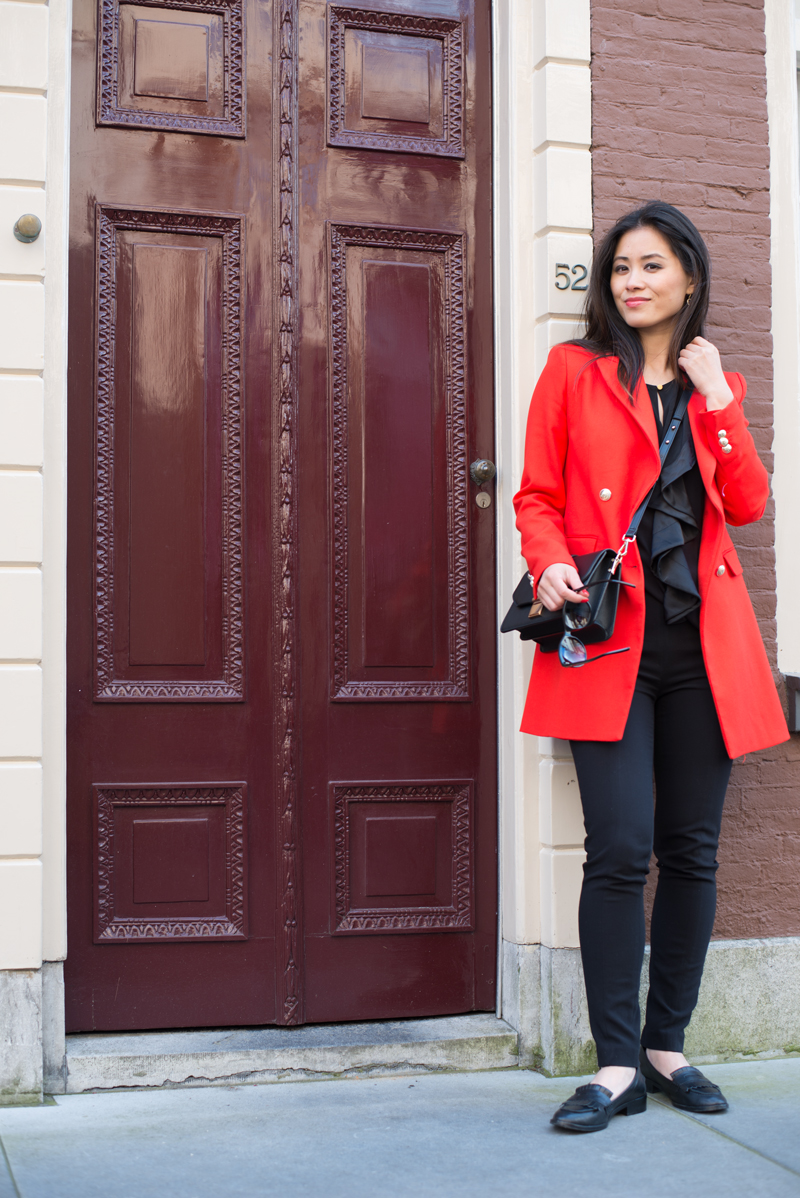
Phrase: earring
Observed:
(688, 297)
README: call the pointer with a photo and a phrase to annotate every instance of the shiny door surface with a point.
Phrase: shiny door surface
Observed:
(398, 682)
(172, 776)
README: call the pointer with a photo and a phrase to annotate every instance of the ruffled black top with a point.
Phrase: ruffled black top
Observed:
(669, 534)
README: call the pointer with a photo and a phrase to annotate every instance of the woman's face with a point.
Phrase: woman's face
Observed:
(648, 282)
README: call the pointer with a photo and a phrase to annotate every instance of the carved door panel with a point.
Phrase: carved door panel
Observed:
(396, 569)
(172, 778)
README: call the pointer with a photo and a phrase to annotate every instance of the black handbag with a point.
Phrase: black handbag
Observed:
(592, 621)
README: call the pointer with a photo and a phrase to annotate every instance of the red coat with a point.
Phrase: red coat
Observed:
(585, 436)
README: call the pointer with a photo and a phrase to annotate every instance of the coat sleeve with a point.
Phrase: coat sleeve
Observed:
(541, 499)
(740, 475)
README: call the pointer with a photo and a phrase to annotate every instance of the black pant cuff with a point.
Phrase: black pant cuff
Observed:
(663, 1042)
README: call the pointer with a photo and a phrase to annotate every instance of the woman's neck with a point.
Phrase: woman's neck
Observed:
(655, 343)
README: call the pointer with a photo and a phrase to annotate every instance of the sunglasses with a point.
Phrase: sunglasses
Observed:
(572, 652)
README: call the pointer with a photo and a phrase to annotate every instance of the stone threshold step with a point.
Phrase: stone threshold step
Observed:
(241, 1056)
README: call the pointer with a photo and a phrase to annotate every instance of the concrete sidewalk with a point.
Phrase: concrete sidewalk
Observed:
(429, 1136)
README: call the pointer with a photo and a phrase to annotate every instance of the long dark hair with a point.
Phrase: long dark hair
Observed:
(607, 334)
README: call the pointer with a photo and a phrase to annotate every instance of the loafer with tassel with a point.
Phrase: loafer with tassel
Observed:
(688, 1089)
(591, 1107)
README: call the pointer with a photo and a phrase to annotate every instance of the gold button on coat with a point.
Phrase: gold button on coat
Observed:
(605, 494)
(720, 571)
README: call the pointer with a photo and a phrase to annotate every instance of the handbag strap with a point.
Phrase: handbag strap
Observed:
(667, 443)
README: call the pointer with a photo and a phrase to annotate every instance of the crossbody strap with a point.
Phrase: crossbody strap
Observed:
(664, 448)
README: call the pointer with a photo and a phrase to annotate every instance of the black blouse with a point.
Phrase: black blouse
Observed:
(669, 534)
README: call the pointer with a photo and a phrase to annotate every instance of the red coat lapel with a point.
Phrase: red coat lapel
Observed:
(640, 412)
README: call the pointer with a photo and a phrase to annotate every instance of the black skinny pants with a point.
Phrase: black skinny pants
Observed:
(672, 734)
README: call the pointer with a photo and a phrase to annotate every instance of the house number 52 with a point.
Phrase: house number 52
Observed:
(565, 283)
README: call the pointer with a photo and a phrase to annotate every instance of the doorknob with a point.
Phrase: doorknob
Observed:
(28, 227)
(482, 471)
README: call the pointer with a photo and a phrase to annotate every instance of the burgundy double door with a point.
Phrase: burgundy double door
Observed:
(282, 731)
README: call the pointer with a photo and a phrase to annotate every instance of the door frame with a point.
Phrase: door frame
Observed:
(283, 531)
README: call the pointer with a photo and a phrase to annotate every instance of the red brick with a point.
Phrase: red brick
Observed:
(683, 145)
(731, 198)
(783, 773)
(756, 342)
(686, 196)
(753, 368)
(758, 411)
(754, 555)
(678, 98)
(744, 66)
(745, 318)
(745, 130)
(697, 32)
(762, 438)
(764, 606)
(745, 179)
(743, 222)
(728, 152)
(723, 13)
(642, 6)
(649, 114)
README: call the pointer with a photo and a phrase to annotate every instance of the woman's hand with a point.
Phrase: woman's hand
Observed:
(558, 584)
(700, 360)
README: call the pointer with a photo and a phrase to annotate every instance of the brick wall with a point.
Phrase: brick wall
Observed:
(680, 114)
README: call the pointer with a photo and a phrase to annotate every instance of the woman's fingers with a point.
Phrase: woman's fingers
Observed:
(699, 350)
(572, 579)
(560, 583)
(549, 597)
(700, 359)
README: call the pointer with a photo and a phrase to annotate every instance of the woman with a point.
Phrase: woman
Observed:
(695, 689)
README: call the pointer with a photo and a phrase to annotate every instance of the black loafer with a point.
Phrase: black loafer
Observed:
(591, 1107)
(687, 1088)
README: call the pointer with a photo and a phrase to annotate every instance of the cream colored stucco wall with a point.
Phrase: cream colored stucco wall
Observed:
(34, 65)
(543, 218)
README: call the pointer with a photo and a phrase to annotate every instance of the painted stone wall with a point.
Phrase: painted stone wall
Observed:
(680, 114)
(23, 149)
